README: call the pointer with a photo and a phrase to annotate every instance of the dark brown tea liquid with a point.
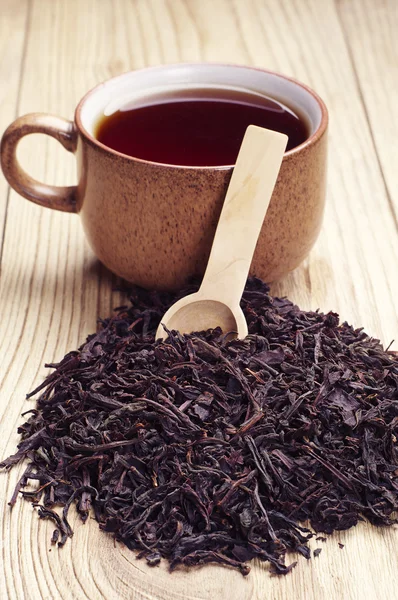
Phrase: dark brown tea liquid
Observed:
(204, 127)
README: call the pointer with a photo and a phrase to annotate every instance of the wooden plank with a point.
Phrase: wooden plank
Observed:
(371, 34)
(52, 290)
(13, 21)
(51, 285)
(13, 24)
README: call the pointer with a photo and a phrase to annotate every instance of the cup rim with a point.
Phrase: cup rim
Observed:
(314, 137)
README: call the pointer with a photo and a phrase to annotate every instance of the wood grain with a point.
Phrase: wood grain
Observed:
(13, 23)
(371, 29)
(52, 290)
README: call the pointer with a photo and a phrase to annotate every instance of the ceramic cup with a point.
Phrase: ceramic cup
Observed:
(153, 224)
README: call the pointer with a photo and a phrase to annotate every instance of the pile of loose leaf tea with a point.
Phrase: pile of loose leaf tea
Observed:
(199, 449)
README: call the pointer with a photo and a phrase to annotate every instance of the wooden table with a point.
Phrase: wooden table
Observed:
(53, 290)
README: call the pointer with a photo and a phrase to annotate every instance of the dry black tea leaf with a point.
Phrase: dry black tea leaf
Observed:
(199, 449)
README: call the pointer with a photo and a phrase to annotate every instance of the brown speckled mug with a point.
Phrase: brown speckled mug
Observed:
(153, 224)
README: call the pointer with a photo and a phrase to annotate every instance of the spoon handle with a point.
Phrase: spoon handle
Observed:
(245, 206)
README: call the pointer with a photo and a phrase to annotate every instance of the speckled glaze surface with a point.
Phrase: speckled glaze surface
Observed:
(153, 224)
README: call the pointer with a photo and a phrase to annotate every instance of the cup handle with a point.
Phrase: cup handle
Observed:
(58, 197)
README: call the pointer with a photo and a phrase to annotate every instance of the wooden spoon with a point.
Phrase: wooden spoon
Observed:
(216, 304)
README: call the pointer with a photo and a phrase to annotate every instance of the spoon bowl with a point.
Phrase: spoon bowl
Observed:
(195, 313)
